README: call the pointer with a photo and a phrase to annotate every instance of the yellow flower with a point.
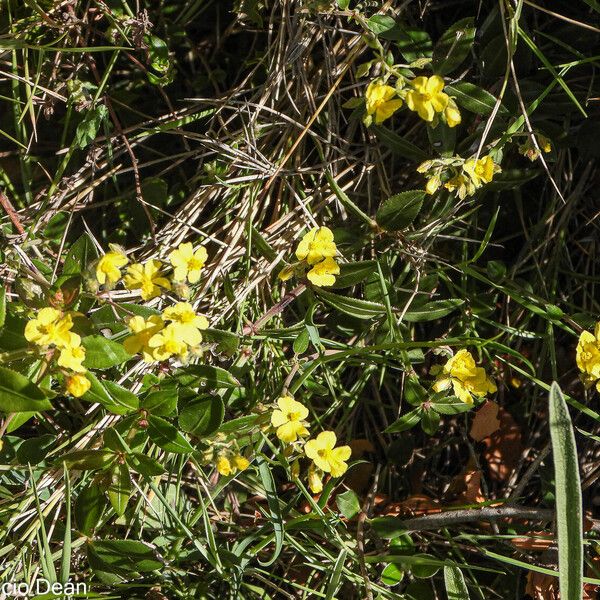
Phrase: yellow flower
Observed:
(241, 463)
(187, 263)
(315, 480)
(481, 171)
(186, 321)
(426, 97)
(323, 273)
(143, 330)
(287, 272)
(380, 101)
(326, 456)
(77, 385)
(166, 343)
(588, 356)
(108, 267)
(51, 327)
(231, 465)
(433, 184)
(289, 419)
(316, 245)
(71, 358)
(148, 278)
(224, 466)
(465, 377)
(462, 185)
(452, 114)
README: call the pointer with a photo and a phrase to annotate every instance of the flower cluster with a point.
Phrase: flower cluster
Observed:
(464, 376)
(176, 332)
(51, 329)
(459, 176)
(316, 250)
(588, 357)
(288, 419)
(423, 95)
(230, 464)
(151, 278)
(529, 149)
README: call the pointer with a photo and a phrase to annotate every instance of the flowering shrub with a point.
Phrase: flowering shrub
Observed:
(288, 290)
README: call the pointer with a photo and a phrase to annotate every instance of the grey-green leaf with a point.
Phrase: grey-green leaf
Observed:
(456, 588)
(433, 310)
(569, 516)
(360, 309)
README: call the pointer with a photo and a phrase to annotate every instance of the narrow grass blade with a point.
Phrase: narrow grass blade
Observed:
(273, 501)
(456, 588)
(568, 498)
(65, 563)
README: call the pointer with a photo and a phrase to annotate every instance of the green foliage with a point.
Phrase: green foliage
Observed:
(144, 445)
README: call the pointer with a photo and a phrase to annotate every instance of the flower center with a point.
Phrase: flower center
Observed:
(194, 264)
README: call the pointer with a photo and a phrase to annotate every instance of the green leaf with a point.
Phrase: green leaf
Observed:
(84, 460)
(399, 145)
(343, 4)
(569, 517)
(33, 450)
(2, 305)
(88, 127)
(450, 405)
(125, 555)
(80, 255)
(145, 465)
(112, 396)
(510, 179)
(379, 24)
(268, 484)
(119, 488)
(456, 588)
(392, 574)
(388, 528)
(161, 403)
(430, 421)
(102, 353)
(414, 393)
(202, 416)
(454, 46)
(399, 211)
(227, 342)
(424, 566)
(301, 343)
(348, 503)
(166, 436)
(206, 376)
(360, 309)
(474, 99)
(18, 394)
(413, 43)
(89, 507)
(405, 422)
(353, 273)
(433, 310)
